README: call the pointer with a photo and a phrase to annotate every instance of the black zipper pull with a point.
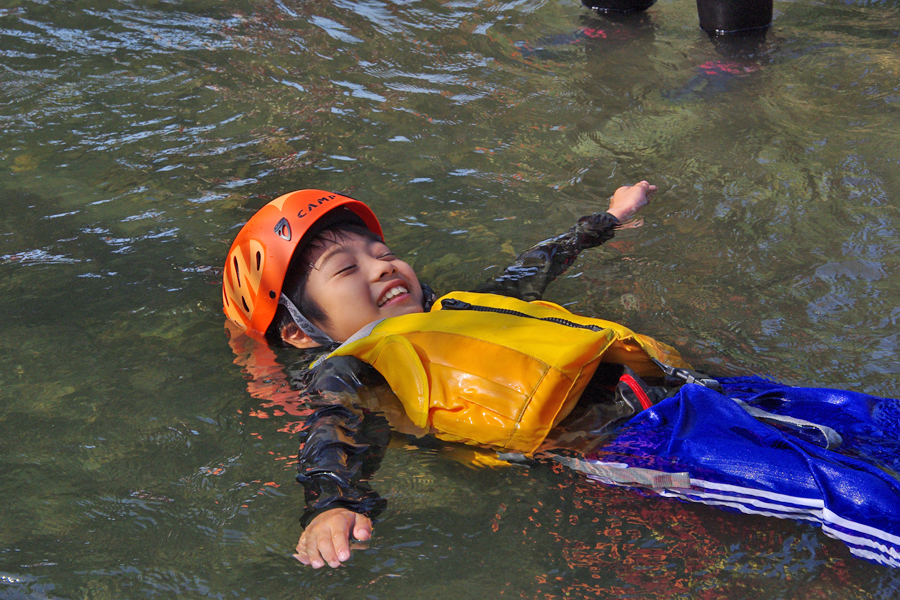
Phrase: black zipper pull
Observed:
(454, 304)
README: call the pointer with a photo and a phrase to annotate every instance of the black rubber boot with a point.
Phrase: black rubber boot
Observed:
(733, 16)
(618, 6)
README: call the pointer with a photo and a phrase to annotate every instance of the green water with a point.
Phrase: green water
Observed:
(136, 137)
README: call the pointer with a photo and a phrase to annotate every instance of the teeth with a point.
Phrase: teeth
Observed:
(394, 291)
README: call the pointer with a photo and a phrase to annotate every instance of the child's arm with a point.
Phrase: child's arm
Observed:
(534, 269)
(342, 447)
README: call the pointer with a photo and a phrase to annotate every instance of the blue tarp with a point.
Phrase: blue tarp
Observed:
(765, 466)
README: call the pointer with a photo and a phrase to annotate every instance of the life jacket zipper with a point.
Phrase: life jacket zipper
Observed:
(685, 375)
(454, 304)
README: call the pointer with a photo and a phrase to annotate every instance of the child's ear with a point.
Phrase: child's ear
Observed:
(294, 336)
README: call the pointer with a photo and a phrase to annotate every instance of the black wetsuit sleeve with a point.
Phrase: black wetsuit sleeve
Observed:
(534, 269)
(341, 444)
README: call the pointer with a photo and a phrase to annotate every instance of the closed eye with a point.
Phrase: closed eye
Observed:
(346, 269)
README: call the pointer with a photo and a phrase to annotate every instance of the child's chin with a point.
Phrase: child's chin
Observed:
(404, 308)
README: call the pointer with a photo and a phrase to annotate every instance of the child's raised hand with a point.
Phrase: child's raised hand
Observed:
(327, 537)
(629, 199)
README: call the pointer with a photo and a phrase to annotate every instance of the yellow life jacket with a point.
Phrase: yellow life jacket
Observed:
(502, 373)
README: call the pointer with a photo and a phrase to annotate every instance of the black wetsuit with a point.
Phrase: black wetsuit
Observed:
(345, 437)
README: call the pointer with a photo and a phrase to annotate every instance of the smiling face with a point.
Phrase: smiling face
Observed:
(356, 281)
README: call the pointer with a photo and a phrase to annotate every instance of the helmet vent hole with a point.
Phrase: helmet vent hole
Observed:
(272, 294)
(237, 271)
(244, 302)
(258, 260)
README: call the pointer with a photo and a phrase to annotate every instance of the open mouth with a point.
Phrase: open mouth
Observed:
(392, 293)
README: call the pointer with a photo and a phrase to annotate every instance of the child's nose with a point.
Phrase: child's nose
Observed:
(383, 268)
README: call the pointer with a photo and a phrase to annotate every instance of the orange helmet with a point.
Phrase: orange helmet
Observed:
(261, 253)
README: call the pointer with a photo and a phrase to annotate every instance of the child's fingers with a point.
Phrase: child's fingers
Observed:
(362, 530)
(321, 550)
(327, 539)
(308, 552)
(301, 556)
(338, 548)
(331, 552)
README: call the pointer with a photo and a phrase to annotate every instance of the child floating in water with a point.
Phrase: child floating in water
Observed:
(496, 368)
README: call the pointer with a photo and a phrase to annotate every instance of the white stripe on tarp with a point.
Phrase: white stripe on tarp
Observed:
(789, 506)
(748, 506)
(828, 515)
(862, 545)
(861, 541)
(811, 502)
(860, 527)
(874, 557)
(782, 506)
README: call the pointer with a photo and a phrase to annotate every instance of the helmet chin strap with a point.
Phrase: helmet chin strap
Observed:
(322, 338)
(314, 333)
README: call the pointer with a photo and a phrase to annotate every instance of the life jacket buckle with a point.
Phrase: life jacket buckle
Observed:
(688, 376)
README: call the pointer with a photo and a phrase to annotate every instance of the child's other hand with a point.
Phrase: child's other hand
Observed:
(327, 537)
(629, 199)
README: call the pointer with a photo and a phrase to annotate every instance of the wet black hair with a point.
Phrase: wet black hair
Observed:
(294, 286)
